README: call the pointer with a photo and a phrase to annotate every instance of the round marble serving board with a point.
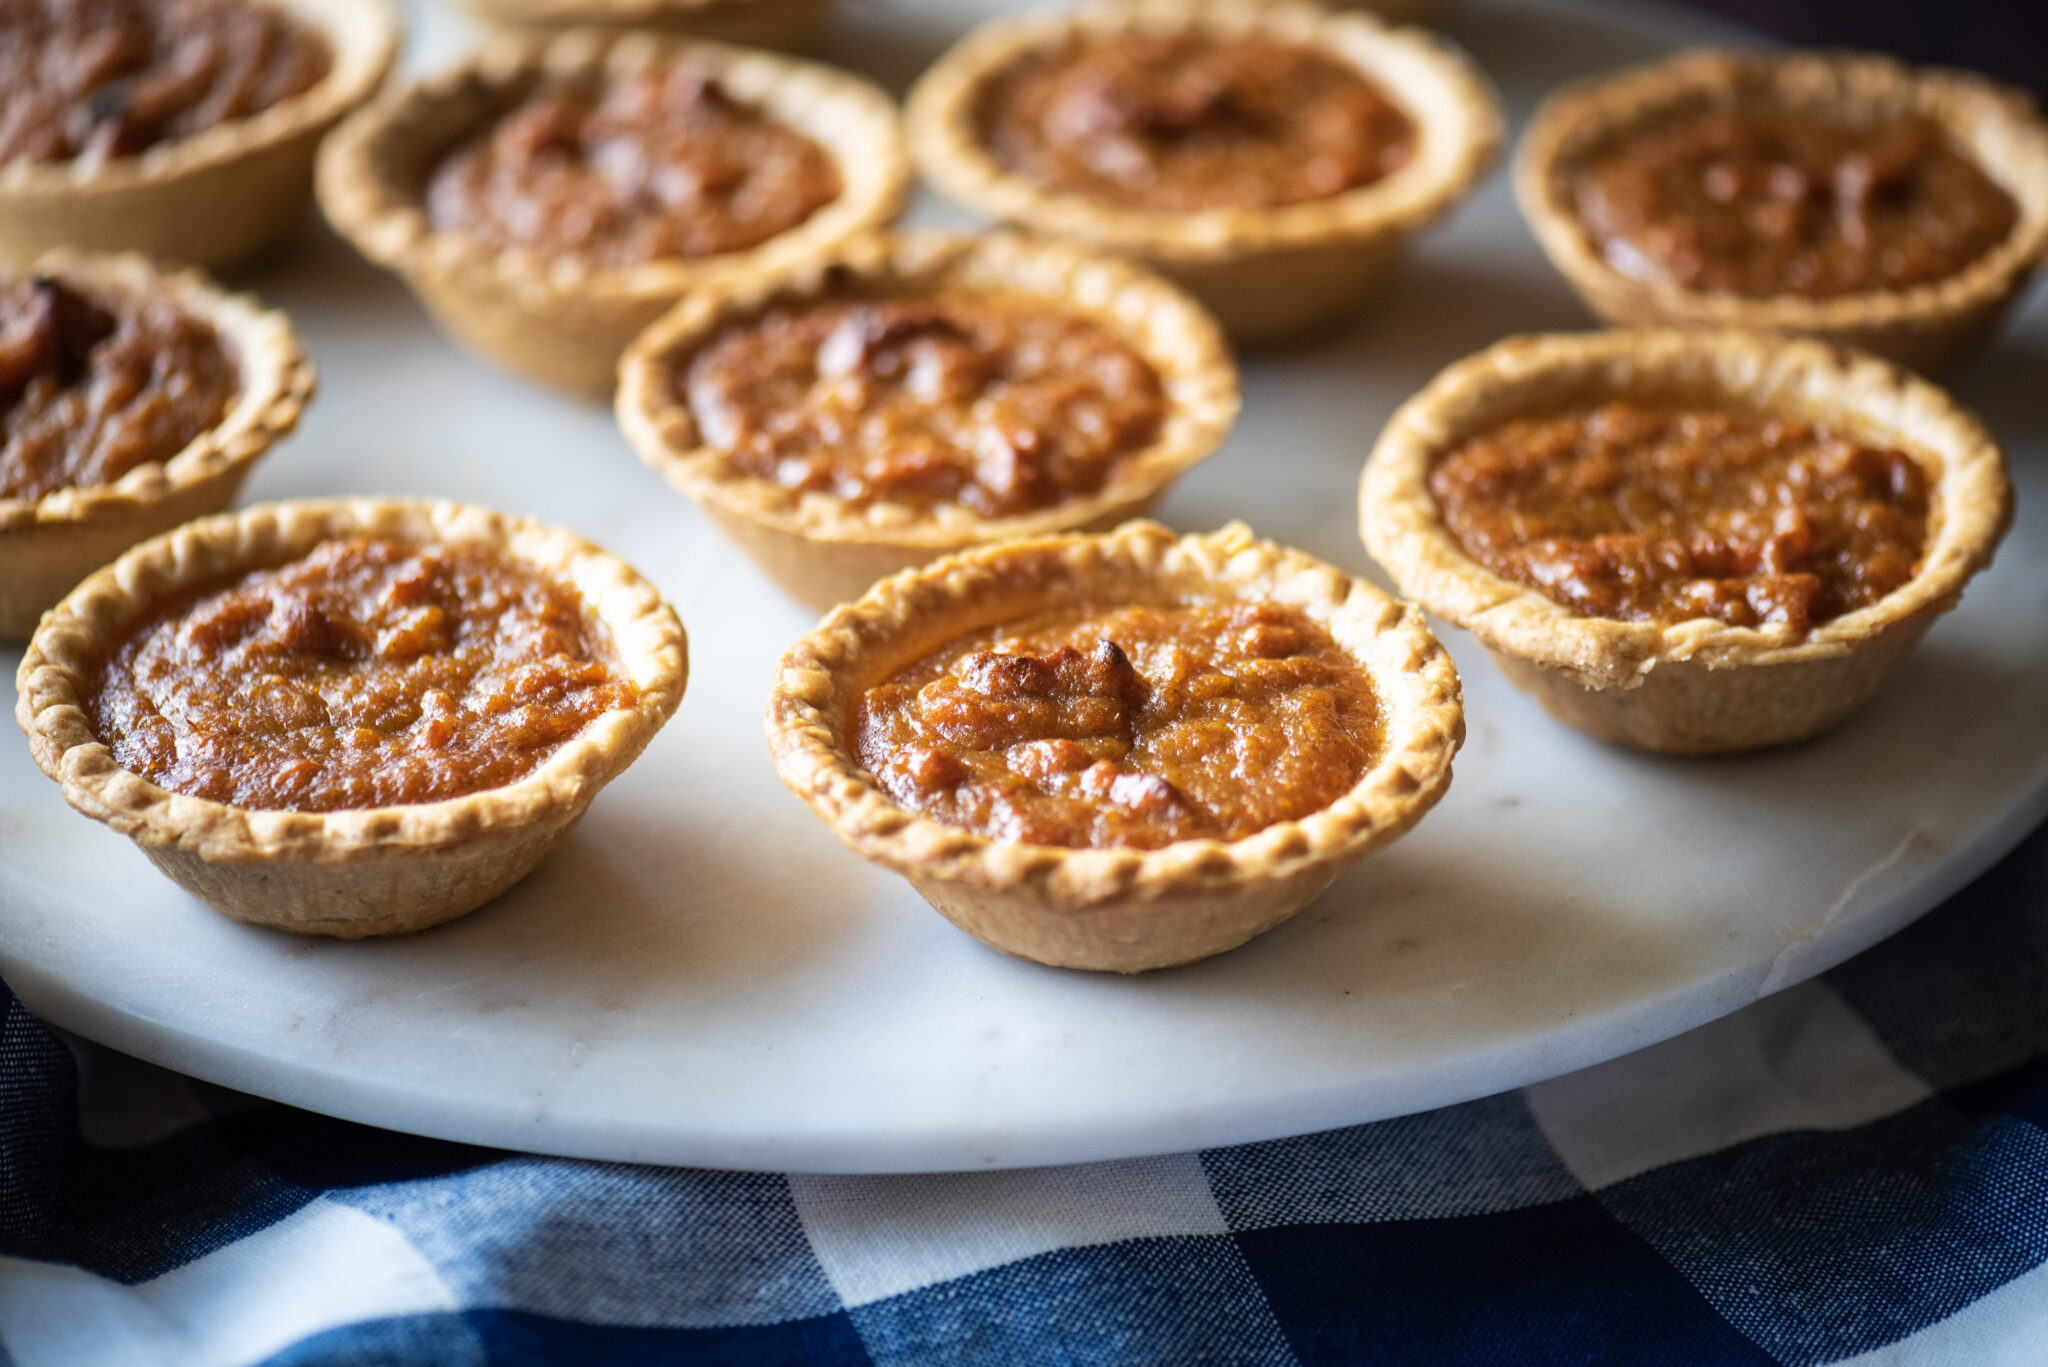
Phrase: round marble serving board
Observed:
(703, 975)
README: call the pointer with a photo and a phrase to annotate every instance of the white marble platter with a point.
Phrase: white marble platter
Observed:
(702, 975)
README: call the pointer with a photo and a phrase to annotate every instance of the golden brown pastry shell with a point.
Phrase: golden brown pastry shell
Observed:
(219, 197)
(377, 871)
(1116, 909)
(557, 319)
(1923, 327)
(1269, 275)
(1698, 686)
(783, 25)
(821, 549)
(48, 544)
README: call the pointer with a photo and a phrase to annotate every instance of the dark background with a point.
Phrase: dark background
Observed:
(2003, 38)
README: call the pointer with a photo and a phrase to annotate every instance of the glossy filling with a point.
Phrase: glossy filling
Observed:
(656, 165)
(1664, 515)
(367, 674)
(99, 79)
(1760, 204)
(1000, 408)
(1132, 726)
(1181, 123)
(95, 382)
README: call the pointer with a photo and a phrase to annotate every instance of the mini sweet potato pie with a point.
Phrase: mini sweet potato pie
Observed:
(1272, 157)
(184, 129)
(1830, 194)
(1686, 541)
(131, 399)
(550, 197)
(350, 718)
(1120, 751)
(917, 394)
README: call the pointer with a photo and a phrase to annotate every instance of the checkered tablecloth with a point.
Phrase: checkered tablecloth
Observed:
(1853, 1170)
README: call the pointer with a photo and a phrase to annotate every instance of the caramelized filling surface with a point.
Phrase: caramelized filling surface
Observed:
(1001, 408)
(99, 79)
(95, 383)
(1759, 204)
(660, 164)
(368, 674)
(1183, 123)
(1131, 726)
(1662, 515)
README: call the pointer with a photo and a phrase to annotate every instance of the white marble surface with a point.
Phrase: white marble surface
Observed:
(702, 975)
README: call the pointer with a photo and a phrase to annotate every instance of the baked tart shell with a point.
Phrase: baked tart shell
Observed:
(823, 551)
(1122, 910)
(220, 197)
(48, 545)
(1269, 275)
(781, 25)
(376, 871)
(1698, 686)
(557, 319)
(1925, 326)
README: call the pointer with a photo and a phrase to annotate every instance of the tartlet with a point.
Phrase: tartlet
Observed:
(218, 197)
(1120, 909)
(1922, 325)
(822, 549)
(1269, 274)
(556, 318)
(784, 25)
(367, 871)
(49, 544)
(1701, 685)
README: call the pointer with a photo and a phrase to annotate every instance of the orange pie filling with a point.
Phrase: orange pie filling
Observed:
(1131, 726)
(1759, 204)
(365, 674)
(1182, 123)
(657, 165)
(998, 407)
(97, 79)
(1650, 514)
(96, 382)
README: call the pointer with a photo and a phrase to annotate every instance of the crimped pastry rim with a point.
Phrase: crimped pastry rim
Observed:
(1177, 338)
(1999, 125)
(650, 641)
(363, 37)
(626, 12)
(277, 379)
(1412, 675)
(365, 188)
(1848, 389)
(1454, 109)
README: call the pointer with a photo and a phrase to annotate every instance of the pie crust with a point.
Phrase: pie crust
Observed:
(784, 25)
(1124, 910)
(1698, 686)
(218, 197)
(1269, 275)
(1924, 326)
(48, 544)
(823, 550)
(557, 319)
(377, 871)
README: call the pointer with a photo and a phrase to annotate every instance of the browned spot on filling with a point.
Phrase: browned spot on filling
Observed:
(1791, 203)
(657, 165)
(1001, 408)
(1663, 515)
(367, 674)
(98, 79)
(1134, 726)
(1182, 123)
(96, 382)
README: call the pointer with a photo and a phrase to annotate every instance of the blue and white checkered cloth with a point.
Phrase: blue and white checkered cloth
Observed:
(1854, 1170)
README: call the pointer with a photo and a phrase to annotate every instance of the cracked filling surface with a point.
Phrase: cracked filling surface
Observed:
(1129, 726)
